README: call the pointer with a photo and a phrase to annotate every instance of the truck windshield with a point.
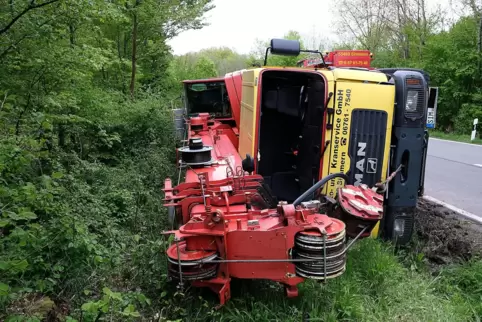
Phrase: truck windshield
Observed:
(208, 97)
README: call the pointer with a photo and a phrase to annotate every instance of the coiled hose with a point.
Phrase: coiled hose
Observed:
(318, 185)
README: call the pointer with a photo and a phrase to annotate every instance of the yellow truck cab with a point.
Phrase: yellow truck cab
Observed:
(298, 125)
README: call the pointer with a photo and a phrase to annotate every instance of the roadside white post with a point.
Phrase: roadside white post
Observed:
(474, 131)
(432, 107)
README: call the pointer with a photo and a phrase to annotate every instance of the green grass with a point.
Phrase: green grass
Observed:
(375, 287)
(454, 137)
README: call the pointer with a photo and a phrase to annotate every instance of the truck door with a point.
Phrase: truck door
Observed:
(359, 127)
(249, 106)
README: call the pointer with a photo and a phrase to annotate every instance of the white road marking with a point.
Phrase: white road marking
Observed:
(478, 165)
(459, 211)
(472, 144)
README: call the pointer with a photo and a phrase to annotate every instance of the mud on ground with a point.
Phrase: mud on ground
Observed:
(444, 237)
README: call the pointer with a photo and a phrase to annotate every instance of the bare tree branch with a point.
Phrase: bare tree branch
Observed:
(25, 36)
(31, 6)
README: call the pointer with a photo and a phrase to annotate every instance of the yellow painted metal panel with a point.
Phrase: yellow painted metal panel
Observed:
(249, 106)
(358, 75)
(375, 231)
(328, 75)
(328, 133)
(349, 97)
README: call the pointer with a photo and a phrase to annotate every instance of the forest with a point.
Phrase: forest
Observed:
(86, 141)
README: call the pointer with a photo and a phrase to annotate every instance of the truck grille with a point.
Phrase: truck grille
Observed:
(367, 146)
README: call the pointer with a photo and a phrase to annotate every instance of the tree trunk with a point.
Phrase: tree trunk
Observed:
(479, 47)
(406, 50)
(134, 53)
(72, 35)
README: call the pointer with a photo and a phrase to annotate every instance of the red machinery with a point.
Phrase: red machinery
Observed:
(232, 227)
(220, 95)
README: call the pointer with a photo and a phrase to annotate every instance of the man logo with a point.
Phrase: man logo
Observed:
(360, 164)
(372, 165)
(369, 167)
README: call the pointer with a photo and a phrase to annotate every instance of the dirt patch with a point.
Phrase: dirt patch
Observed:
(444, 237)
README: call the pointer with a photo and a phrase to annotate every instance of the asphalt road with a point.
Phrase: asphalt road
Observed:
(454, 174)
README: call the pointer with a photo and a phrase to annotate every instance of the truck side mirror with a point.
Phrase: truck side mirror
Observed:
(285, 47)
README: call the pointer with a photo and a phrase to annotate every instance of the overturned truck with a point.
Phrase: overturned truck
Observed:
(283, 166)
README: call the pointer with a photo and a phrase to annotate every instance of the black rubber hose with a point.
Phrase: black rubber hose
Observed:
(318, 185)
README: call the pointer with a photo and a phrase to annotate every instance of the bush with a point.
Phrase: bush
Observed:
(72, 216)
(465, 118)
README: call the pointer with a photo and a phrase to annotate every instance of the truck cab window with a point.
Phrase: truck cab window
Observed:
(208, 97)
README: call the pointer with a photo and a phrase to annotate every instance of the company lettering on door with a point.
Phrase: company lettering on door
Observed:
(341, 123)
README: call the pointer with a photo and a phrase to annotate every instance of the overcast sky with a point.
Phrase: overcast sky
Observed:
(237, 23)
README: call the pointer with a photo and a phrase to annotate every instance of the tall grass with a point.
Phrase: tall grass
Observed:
(455, 137)
(375, 287)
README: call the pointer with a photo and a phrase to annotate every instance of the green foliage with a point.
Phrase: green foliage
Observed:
(225, 59)
(257, 56)
(71, 224)
(206, 63)
(115, 305)
(454, 137)
(81, 164)
(190, 67)
(451, 60)
(464, 282)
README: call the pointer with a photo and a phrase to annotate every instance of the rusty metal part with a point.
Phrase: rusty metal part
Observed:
(356, 238)
(193, 273)
(179, 263)
(188, 265)
(179, 254)
(327, 252)
(381, 187)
